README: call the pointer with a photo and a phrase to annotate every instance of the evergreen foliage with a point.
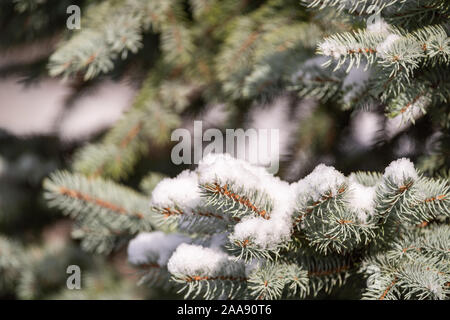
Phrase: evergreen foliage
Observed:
(227, 228)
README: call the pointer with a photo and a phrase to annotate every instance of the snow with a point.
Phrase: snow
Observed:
(155, 246)
(400, 170)
(321, 180)
(260, 232)
(222, 168)
(384, 47)
(435, 287)
(182, 192)
(267, 233)
(194, 260)
(330, 47)
(379, 26)
(361, 200)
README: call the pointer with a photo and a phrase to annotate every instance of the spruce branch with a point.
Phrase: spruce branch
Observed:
(108, 213)
(126, 142)
(337, 225)
(94, 49)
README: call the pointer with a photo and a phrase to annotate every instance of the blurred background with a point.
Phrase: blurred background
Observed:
(45, 120)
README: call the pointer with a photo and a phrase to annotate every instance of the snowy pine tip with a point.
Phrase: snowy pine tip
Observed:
(400, 170)
(182, 192)
(384, 47)
(198, 261)
(362, 200)
(153, 247)
(223, 168)
(323, 180)
(268, 233)
(379, 26)
(332, 48)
